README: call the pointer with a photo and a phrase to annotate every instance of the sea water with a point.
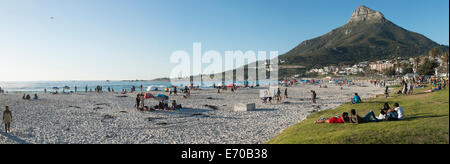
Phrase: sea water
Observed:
(39, 86)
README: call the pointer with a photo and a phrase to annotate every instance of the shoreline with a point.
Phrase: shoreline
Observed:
(108, 118)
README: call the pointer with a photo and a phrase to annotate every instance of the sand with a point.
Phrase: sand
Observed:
(107, 118)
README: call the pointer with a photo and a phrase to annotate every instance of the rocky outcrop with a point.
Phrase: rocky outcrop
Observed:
(363, 14)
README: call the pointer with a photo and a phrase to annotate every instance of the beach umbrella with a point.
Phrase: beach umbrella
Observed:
(66, 87)
(55, 88)
(161, 97)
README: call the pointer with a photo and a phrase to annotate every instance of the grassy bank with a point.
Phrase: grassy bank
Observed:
(427, 121)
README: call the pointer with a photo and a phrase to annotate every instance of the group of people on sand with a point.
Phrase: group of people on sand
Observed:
(386, 114)
(2, 91)
(28, 97)
(173, 90)
(233, 88)
(162, 104)
(378, 83)
(407, 87)
(274, 95)
(186, 91)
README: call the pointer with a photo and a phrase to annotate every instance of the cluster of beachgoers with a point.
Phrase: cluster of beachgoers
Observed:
(185, 114)
(386, 114)
(195, 115)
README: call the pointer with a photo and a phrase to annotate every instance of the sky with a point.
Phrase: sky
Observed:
(50, 40)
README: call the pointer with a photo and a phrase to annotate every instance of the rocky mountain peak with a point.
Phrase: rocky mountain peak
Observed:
(363, 14)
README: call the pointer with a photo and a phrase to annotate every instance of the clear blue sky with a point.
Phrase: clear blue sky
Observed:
(133, 39)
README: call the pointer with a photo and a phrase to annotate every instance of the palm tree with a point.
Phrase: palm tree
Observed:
(434, 53)
(444, 58)
(416, 63)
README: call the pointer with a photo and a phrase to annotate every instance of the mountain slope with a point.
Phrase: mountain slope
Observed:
(367, 36)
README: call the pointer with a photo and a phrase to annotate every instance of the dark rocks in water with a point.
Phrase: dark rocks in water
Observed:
(123, 112)
(97, 108)
(287, 102)
(122, 96)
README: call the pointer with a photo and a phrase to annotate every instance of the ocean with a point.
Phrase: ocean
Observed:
(39, 86)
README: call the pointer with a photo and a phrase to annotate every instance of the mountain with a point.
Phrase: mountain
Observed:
(367, 36)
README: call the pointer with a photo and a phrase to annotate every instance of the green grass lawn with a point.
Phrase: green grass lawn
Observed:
(426, 122)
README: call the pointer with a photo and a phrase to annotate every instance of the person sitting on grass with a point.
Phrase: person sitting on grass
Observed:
(395, 114)
(369, 117)
(335, 120)
(356, 99)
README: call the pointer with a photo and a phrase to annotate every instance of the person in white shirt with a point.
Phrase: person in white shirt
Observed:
(399, 110)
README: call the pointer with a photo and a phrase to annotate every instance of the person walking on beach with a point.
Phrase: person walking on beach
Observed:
(313, 96)
(138, 100)
(285, 93)
(175, 90)
(386, 92)
(278, 95)
(141, 101)
(142, 87)
(86, 89)
(7, 118)
(76, 88)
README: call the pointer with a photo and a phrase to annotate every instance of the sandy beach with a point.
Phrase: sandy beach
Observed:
(112, 118)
